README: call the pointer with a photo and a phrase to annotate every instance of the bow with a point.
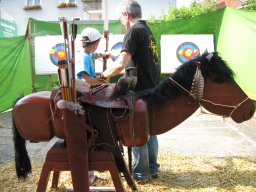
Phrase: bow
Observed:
(106, 32)
(66, 71)
(72, 60)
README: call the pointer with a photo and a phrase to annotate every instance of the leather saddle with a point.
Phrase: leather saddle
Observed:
(117, 95)
(103, 95)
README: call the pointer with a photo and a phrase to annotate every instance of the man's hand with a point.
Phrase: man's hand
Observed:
(111, 54)
(106, 55)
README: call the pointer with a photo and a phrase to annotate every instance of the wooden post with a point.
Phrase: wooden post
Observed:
(76, 138)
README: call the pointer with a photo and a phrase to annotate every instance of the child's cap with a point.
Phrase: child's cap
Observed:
(91, 34)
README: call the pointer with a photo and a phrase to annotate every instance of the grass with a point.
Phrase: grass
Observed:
(178, 173)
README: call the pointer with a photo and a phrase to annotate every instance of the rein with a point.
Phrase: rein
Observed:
(230, 106)
(208, 101)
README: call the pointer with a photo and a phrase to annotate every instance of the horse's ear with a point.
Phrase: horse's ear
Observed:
(205, 52)
(209, 56)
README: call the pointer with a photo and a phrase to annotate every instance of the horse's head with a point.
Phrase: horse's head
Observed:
(209, 81)
(221, 93)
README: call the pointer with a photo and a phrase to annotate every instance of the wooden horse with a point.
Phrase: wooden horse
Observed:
(205, 81)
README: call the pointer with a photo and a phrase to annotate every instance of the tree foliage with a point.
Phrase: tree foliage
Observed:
(197, 7)
(249, 5)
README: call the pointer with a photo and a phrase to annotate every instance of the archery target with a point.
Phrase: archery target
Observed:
(49, 50)
(57, 53)
(178, 49)
(116, 47)
(187, 51)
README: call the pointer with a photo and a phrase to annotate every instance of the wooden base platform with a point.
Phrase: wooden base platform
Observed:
(57, 160)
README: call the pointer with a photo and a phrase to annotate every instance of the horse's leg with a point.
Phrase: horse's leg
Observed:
(22, 161)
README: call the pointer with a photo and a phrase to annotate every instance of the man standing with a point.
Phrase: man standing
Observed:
(139, 46)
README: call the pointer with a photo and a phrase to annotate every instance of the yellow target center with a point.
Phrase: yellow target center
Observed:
(188, 53)
(61, 55)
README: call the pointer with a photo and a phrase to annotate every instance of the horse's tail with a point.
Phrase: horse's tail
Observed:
(22, 161)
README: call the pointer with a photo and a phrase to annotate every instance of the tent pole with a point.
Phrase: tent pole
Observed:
(30, 53)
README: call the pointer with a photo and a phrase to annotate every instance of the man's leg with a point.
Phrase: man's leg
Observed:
(152, 154)
(140, 169)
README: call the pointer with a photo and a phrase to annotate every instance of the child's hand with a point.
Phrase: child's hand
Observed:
(102, 81)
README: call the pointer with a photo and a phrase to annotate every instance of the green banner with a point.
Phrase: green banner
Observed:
(7, 29)
(41, 28)
(15, 70)
(237, 44)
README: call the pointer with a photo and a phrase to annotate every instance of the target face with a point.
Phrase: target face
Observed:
(57, 53)
(187, 51)
(116, 47)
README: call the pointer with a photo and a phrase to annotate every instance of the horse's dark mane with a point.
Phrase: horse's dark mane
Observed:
(216, 69)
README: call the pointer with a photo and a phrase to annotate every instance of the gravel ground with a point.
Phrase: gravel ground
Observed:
(37, 151)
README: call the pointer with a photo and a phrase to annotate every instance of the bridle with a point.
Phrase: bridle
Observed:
(211, 102)
(197, 92)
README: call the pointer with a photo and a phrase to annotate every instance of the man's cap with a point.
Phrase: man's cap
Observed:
(91, 34)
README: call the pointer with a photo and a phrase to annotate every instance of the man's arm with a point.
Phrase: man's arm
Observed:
(122, 62)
